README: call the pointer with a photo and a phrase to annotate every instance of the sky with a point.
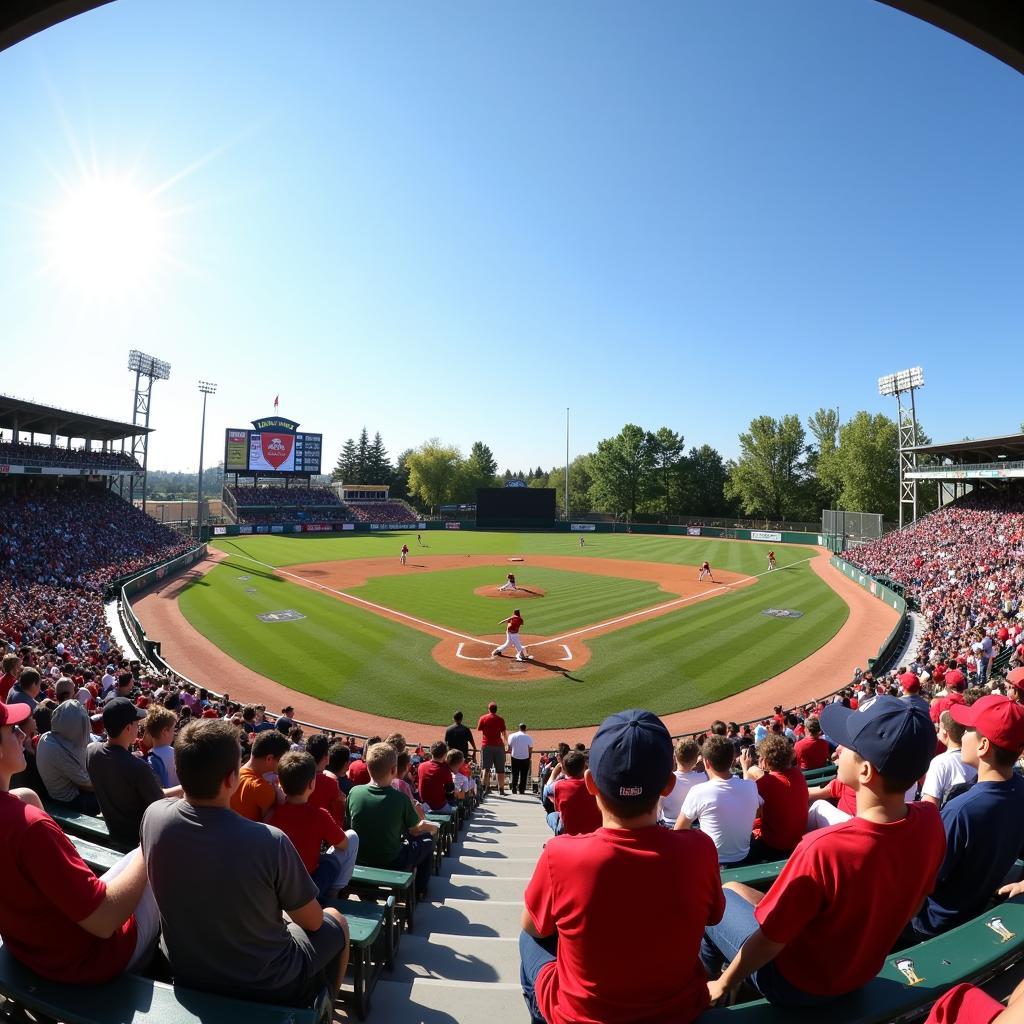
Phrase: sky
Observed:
(457, 220)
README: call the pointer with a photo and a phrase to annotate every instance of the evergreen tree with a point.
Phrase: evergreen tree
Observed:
(378, 466)
(345, 467)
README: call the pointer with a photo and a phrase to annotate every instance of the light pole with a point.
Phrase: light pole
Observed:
(899, 384)
(207, 389)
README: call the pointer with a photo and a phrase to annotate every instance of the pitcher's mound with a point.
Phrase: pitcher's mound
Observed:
(522, 594)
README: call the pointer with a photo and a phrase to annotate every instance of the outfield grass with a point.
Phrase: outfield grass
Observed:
(354, 658)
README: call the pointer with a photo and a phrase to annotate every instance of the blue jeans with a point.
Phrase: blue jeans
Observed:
(533, 955)
(723, 941)
(416, 855)
(555, 822)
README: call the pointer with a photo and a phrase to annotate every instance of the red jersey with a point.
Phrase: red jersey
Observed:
(514, 623)
(577, 889)
(307, 827)
(47, 890)
(846, 796)
(433, 778)
(7, 680)
(811, 753)
(492, 726)
(327, 794)
(577, 806)
(784, 812)
(847, 887)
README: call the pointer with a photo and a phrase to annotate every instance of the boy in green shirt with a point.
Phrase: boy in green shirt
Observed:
(383, 818)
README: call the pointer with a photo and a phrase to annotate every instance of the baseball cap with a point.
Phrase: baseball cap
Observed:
(895, 737)
(631, 756)
(119, 713)
(999, 719)
(955, 680)
(1016, 678)
(12, 714)
(944, 704)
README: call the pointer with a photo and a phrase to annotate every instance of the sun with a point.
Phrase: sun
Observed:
(106, 237)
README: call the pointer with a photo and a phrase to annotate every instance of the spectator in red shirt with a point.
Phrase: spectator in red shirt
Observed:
(326, 792)
(492, 750)
(11, 667)
(783, 790)
(358, 773)
(310, 828)
(813, 751)
(434, 780)
(845, 886)
(576, 811)
(576, 912)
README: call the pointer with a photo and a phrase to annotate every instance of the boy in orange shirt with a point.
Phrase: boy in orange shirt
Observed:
(255, 796)
(310, 828)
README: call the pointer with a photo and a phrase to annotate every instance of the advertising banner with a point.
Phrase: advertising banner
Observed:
(277, 528)
(348, 526)
(245, 529)
(236, 445)
(582, 527)
(693, 531)
(317, 527)
(220, 531)
(762, 535)
(263, 528)
(453, 526)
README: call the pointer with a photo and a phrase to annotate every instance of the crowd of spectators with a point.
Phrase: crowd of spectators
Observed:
(262, 505)
(65, 458)
(393, 511)
(964, 567)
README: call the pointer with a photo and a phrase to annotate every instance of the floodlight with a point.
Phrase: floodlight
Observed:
(904, 380)
(207, 388)
(148, 366)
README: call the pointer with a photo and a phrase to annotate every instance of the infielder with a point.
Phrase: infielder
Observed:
(512, 626)
(771, 560)
(509, 584)
(705, 570)
(404, 555)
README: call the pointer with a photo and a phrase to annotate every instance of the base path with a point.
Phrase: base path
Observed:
(828, 668)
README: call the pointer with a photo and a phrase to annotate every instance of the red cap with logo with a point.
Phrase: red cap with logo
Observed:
(944, 704)
(999, 719)
(12, 714)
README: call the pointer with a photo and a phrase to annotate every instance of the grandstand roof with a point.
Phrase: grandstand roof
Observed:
(48, 419)
(1010, 447)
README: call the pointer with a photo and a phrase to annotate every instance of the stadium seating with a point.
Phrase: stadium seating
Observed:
(383, 512)
(257, 505)
(65, 458)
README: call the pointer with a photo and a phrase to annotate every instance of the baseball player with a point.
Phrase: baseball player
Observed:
(512, 626)
(419, 540)
(582, 541)
(509, 584)
(705, 570)
(405, 554)
(771, 560)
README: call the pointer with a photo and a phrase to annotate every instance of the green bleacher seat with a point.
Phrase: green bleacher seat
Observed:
(77, 824)
(380, 883)
(911, 979)
(758, 876)
(99, 858)
(372, 935)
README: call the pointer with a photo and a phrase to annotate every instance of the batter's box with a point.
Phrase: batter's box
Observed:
(285, 615)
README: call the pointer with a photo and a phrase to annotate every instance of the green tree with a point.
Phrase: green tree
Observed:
(434, 470)
(623, 469)
(669, 451)
(768, 478)
(345, 467)
(400, 477)
(482, 464)
(363, 458)
(823, 457)
(868, 457)
(378, 467)
(702, 476)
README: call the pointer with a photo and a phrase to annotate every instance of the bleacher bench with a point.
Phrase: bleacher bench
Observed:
(77, 824)
(379, 883)
(757, 876)
(910, 980)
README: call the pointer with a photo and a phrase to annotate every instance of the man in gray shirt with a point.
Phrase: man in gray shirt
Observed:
(223, 884)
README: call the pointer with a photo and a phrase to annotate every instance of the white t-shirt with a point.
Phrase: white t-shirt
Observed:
(946, 771)
(726, 809)
(672, 804)
(519, 744)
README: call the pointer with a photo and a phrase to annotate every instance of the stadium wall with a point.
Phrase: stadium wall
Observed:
(883, 593)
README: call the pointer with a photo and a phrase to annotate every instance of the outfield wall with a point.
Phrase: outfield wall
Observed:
(719, 533)
(883, 593)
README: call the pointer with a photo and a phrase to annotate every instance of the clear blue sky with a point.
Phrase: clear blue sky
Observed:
(456, 219)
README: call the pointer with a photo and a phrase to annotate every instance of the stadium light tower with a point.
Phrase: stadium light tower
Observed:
(904, 383)
(207, 389)
(147, 368)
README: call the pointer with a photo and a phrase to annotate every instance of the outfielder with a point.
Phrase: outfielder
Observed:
(512, 626)
(509, 584)
(771, 560)
(705, 570)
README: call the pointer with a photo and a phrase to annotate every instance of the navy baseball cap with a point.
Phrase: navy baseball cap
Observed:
(631, 756)
(894, 736)
(119, 713)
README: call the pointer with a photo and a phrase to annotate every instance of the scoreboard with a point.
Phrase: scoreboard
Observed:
(274, 445)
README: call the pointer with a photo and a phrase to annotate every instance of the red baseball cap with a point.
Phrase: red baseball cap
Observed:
(999, 719)
(944, 704)
(1016, 678)
(955, 679)
(12, 714)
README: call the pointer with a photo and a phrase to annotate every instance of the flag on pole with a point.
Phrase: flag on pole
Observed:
(276, 397)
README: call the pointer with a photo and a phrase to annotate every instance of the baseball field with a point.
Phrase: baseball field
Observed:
(622, 621)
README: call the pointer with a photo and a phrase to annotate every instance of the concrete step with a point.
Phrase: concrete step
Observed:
(440, 1002)
(486, 867)
(491, 918)
(457, 958)
(479, 888)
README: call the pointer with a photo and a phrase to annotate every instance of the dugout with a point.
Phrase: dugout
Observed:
(515, 508)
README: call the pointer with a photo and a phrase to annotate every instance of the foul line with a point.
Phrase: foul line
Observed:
(539, 643)
(668, 604)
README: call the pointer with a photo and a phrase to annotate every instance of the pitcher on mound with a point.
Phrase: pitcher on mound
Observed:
(512, 626)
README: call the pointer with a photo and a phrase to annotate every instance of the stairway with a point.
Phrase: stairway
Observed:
(460, 963)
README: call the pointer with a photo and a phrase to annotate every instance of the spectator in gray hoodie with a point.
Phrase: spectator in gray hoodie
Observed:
(60, 758)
